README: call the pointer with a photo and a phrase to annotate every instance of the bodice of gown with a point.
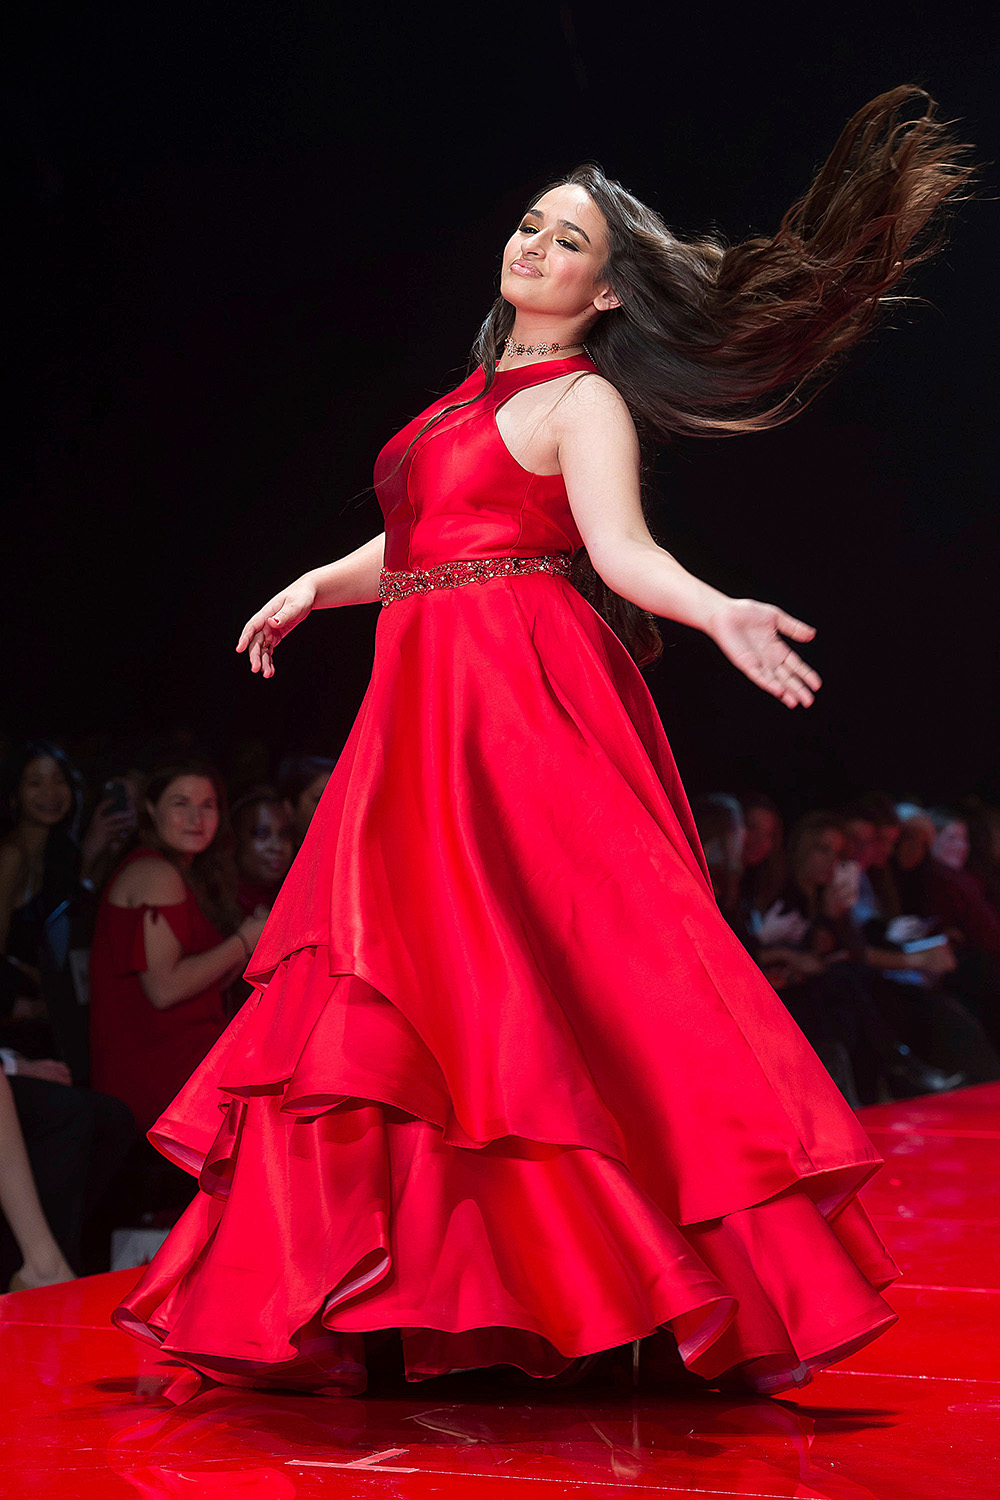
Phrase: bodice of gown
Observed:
(460, 493)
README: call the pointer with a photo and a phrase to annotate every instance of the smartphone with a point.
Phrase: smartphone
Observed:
(118, 792)
(921, 945)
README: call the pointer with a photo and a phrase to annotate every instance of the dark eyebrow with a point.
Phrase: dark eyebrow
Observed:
(566, 223)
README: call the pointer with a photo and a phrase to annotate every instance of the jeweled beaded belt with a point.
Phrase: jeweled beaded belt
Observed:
(398, 583)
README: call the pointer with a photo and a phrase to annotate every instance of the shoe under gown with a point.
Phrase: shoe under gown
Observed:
(507, 1082)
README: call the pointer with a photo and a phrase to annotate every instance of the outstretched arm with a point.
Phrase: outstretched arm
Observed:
(350, 580)
(599, 461)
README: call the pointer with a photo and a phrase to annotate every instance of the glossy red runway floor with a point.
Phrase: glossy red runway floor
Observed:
(84, 1410)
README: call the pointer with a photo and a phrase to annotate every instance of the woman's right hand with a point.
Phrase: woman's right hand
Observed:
(251, 928)
(268, 626)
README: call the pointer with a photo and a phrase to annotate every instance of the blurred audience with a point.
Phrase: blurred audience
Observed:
(877, 924)
(949, 907)
(763, 854)
(822, 944)
(302, 781)
(46, 901)
(983, 822)
(42, 1262)
(75, 1143)
(265, 847)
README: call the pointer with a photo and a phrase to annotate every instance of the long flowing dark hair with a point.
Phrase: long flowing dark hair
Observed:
(61, 864)
(713, 339)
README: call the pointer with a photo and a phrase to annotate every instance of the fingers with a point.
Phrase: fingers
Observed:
(259, 637)
(256, 624)
(782, 681)
(795, 664)
(261, 653)
(249, 630)
(797, 629)
(794, 681)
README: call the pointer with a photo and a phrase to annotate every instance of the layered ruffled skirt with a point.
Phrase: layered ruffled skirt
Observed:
(507, 1082)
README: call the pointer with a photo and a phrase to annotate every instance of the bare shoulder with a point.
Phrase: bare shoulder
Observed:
(590, 398)
(148, 882)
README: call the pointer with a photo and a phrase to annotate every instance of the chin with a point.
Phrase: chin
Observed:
(517, 291)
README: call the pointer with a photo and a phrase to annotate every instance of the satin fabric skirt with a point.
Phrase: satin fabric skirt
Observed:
(507, 1082)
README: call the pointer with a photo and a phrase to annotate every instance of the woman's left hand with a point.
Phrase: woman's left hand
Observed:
(750, 634)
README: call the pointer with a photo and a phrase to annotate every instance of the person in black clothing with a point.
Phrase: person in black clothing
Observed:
(76, 1139)
(813, 957)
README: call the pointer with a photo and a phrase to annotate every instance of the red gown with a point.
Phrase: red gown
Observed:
(508, 1082)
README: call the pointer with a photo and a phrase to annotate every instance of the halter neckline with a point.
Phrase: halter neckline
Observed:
(569, 359)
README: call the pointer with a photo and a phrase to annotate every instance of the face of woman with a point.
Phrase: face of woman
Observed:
(886, 839)
(307, 803)
(44, 796)
(951, 846)
(264, 850)
(915, 838)
(860, 841)
(762, 834)
(187, 815)
(552, 262)
(821, 856)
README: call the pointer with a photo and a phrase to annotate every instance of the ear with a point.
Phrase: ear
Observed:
(151, 810)
(606, 300)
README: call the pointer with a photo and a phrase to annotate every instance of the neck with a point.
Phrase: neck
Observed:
(531, 330)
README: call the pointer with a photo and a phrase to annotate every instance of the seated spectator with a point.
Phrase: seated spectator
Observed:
(46, 890)
(824, 1021)
(930, 874)
(832, 967)
(983, 822)
(763, 854)
(264, 835)
(722, 833)
(265, 847)
(874, 833)
(59, 1156)
(167, 939)
(302, 780)
(955, 893)
(42, 1262)
(878, 810)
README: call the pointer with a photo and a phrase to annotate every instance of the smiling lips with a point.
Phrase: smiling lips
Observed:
(523, 268)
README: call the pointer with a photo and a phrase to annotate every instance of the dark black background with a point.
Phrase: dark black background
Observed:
(250, 241)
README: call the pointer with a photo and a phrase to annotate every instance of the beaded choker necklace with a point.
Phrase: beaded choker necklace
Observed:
(510, 348)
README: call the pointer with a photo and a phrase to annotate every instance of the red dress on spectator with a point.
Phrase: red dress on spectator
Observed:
(958, 899)
(508, 1082)
(138, 1053)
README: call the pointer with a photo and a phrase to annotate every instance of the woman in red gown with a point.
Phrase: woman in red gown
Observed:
(508, 1084)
